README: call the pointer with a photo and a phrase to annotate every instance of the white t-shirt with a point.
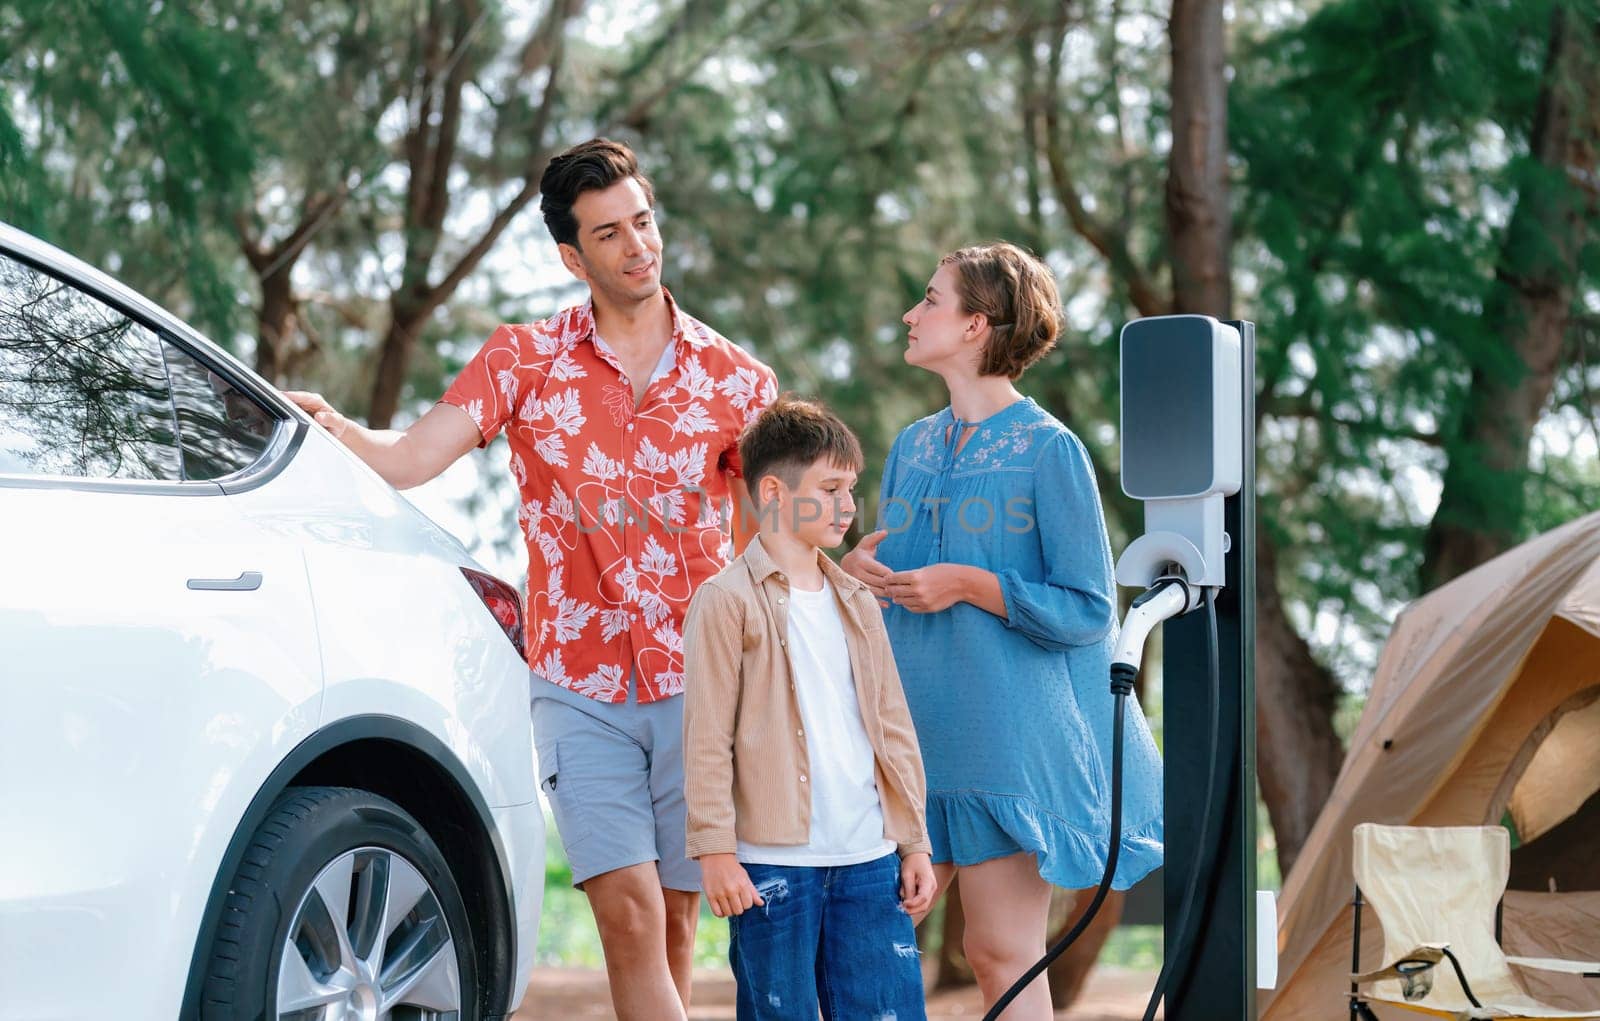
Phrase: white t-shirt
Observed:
(846, 815)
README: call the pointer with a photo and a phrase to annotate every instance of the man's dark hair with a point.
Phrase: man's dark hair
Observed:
(791, 436)
(588, 166)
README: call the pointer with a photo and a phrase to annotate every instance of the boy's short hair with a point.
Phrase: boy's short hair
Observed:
(791, 436)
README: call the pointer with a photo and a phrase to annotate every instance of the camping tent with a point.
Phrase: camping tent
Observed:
(1485, 705)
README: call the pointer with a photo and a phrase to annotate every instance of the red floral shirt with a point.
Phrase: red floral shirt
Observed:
(625, 510)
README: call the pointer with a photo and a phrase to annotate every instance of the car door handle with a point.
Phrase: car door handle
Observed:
(248, 581)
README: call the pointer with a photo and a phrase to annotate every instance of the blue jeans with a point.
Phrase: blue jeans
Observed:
(829, 936)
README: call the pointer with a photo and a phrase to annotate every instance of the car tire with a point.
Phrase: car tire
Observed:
(309, 918)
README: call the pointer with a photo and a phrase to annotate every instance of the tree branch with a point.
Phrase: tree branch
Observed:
(441, 292)
(636, 113)
(561, 12)
(417, 140)
(1528, 307)
(552, 47)
(249, 243)
(1301, 406)
(320, 210)
(1110, 243)
(447, 135)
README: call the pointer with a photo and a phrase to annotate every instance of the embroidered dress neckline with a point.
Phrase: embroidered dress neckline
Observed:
(990, 417)
(954, 445)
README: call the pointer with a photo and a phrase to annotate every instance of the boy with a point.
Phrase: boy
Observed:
(803, 777)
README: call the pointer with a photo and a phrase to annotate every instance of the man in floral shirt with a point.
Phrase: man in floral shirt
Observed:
(623, 416)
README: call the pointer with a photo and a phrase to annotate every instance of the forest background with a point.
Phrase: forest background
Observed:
(1401, 194)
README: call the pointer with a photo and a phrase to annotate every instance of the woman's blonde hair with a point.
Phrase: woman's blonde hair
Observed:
(1017, 294)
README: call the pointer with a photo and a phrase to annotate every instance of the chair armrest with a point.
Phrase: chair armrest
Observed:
(1415, 972)
(1424, 957)
(1588, 969)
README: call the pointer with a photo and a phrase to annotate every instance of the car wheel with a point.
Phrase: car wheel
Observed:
(342, 908)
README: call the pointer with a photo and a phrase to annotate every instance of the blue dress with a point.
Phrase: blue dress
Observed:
(1014, 715)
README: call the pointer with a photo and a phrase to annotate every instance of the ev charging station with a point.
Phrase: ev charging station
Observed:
(1188, 452)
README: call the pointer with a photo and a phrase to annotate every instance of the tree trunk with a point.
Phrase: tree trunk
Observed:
(430, 148)
(394, 361)
(1528, 309)
(1112, 242)
(1199, 221)
(1298, 754)
(278, 319)
(1298, 751)
(435, 103)
(276, 326)
(1070, 971)
(953, 969)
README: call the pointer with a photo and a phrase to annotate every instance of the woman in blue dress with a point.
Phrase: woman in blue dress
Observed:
(993, 557)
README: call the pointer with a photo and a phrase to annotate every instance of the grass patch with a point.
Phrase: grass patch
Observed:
(567, 934)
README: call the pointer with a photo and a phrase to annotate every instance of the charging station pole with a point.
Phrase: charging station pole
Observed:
(1217, 982)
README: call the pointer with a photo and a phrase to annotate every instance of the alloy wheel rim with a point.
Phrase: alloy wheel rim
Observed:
(369, 941)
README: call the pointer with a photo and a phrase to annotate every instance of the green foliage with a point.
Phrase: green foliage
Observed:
(131, 140)
(1135, 947)
(812, 162)
(1510, 824)
(1383, 144)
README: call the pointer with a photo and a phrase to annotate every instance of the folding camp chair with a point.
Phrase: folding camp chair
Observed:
(1437, 892)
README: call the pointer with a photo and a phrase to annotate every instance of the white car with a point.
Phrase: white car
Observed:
(264, 744)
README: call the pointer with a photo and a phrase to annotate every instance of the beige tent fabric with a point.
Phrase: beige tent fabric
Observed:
(1468, 674)
(1582, 605)
(1561, 925)
(1563, 774)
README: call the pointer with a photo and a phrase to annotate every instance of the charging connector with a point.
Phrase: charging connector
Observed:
(1167, 597)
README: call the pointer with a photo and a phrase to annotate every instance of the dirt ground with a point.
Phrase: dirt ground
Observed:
(557, 994)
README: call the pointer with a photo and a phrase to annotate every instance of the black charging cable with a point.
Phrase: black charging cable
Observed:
(1121, 692)
(1183, 945)
(1122, 680)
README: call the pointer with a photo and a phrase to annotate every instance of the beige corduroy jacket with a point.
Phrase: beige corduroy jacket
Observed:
(746, 765)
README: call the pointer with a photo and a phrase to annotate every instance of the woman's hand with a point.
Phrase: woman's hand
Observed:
(862, 563)
(917, 885)
(727, 885)
(929, 589)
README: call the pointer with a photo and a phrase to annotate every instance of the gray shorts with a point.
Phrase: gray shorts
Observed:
(613, 773)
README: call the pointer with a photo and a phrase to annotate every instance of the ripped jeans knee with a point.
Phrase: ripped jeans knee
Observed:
(832, 938)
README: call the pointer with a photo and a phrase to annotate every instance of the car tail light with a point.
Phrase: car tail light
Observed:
(503, 602)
